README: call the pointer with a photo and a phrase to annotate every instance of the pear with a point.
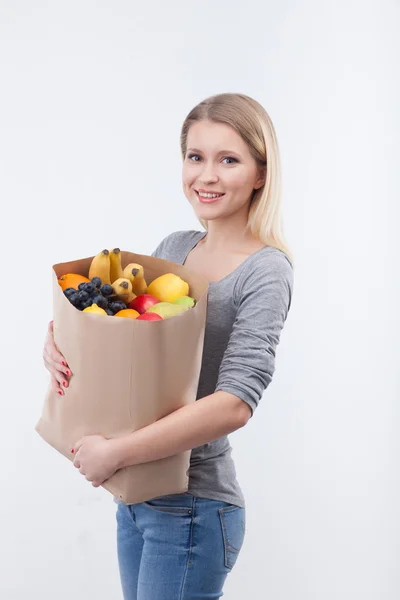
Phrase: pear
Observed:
(185, 301)
(167, 309)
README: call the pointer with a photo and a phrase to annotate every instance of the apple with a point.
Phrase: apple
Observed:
(143, 302)
(149, 317)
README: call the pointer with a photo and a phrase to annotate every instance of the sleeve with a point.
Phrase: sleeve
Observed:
(162, 247)
(264, 299)
(167, 244)
(157, 252)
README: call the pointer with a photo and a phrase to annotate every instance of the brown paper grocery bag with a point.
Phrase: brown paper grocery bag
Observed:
(126, 375)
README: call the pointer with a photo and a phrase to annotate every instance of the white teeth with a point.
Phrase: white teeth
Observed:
(203, 195)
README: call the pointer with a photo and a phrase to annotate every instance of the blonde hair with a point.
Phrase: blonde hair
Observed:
(254, 125)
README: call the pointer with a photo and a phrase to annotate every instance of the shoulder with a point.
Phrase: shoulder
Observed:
(268, 261)
(267, 272)
(175, 241)
(182, 236)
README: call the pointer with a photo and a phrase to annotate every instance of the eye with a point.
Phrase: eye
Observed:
(192, 156)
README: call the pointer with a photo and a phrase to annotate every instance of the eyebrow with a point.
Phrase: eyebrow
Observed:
(220, 152)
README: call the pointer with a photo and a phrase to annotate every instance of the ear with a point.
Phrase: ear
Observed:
(261, 179)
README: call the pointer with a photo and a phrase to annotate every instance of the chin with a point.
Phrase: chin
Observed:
(209, 216)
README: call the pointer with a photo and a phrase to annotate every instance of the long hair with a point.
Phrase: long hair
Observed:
(254, 125)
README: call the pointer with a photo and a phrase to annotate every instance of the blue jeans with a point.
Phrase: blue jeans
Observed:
(177, 547)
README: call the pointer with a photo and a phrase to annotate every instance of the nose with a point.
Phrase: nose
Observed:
(208, 174)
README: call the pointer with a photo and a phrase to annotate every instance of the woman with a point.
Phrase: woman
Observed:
(183, 546)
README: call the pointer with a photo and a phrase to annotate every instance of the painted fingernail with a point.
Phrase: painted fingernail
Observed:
(65, 383)
(60, 392)
(72, 451)
(67, 372)
(64, 363)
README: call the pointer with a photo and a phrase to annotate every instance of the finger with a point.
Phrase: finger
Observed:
(62, 380)
(96, 483)
(78, 445)
(53, 353)
(77, 464)
(59, 381)
(54, 366)
(55, 386)
(50, 328)
(82, 470)
(58, 360)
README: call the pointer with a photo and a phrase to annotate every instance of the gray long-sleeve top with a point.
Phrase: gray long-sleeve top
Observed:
(246, 313)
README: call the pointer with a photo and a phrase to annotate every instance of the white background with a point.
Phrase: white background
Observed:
(93, 95)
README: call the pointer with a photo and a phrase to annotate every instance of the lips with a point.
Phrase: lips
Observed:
(208, 200)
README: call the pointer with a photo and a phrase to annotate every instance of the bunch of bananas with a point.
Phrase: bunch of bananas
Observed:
(127, 283)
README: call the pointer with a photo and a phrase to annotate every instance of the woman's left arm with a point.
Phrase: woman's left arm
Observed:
(203, 421)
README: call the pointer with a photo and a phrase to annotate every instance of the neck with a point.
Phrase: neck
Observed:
(229, 234)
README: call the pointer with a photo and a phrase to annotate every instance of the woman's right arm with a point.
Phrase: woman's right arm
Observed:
(55, 363)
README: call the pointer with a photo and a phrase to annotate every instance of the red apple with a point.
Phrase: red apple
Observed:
(149, 317)
(143, 302)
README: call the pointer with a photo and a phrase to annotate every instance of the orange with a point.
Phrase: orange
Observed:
(128, 313)
(71, 280)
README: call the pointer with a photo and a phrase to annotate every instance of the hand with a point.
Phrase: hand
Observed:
(55, 363)
(96, 458)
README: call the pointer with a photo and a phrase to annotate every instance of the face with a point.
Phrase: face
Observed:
(218, 160)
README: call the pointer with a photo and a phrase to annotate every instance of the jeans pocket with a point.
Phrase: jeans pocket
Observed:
(168, 504)
(233, 522)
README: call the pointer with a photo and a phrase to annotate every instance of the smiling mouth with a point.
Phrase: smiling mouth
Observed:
(208, 200)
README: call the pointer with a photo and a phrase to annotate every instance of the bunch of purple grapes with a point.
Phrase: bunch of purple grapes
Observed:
(95, 292)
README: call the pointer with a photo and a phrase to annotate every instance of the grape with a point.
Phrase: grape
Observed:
(106, 289)
(117, 305)
(88, 287)
(81, 286)
(69, 292)
(74, 299)
(87, 303)
(109, 312)
(100, 301)
(96, 282)
(83, 296)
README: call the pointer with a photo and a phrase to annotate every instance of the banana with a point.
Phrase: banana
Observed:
(100, 267)
(123, 290)
(135, 273)
(115, 265)
(168, 309)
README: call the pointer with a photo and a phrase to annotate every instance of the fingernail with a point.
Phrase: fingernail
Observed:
(67, 372)
(72, 451)
(60, 392)
(65, 383)
(64, 363)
